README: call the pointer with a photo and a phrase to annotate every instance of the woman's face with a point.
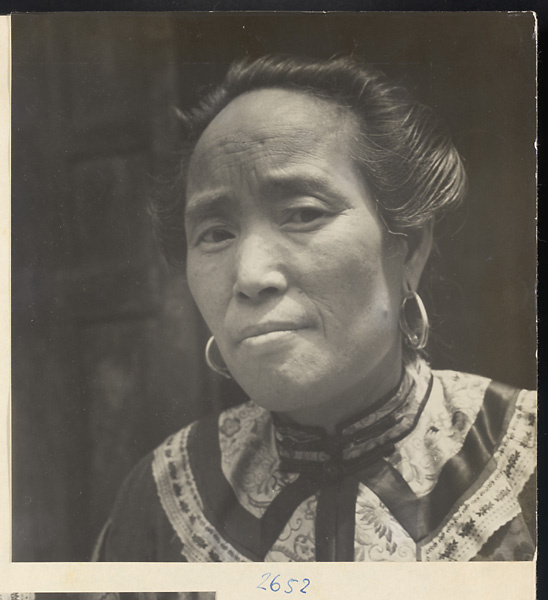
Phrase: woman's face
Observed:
(288, 262)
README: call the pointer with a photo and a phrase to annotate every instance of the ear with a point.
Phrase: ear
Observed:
(419, 245)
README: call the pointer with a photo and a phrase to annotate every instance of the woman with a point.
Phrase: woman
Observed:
(311, 190)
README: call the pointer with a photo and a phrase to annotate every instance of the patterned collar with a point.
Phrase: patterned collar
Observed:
(363, 439)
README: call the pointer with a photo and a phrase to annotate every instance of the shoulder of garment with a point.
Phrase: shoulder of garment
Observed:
(495, 465)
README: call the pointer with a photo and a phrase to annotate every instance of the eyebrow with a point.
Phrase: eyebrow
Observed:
(277, 185)
(289, 183)
(207, 205)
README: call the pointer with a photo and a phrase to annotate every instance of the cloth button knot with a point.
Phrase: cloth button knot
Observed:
(332, 471)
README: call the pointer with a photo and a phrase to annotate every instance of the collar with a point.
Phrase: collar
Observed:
(362, 439)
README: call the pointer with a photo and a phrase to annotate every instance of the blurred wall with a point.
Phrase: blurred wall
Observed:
(107, 344)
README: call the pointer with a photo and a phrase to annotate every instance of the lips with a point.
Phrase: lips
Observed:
(263, 329)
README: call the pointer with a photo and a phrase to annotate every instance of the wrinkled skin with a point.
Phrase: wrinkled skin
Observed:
(288, 261)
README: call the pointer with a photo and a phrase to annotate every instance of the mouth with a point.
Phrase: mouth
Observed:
(266, 333)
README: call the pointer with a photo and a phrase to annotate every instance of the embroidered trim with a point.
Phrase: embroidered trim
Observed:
(183, 506)
(379, 536)
(453, 406)
(249, 457)
(495, 503)
(485, 508)
(388, 419)
(247, 534)
(297, 540)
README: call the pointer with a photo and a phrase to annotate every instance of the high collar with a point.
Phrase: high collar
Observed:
(367, 436)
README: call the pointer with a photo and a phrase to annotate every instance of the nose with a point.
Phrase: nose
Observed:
(260, 272)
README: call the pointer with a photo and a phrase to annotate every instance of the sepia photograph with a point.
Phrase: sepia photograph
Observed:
(273, 288)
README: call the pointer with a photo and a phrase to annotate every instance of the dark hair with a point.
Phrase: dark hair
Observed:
(405, 154)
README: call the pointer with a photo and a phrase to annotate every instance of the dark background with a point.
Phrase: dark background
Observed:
(107, 346)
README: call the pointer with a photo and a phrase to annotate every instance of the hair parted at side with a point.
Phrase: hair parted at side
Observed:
(406, 156)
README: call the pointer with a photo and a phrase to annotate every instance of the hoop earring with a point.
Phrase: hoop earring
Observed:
(414, 339)
(220, 370)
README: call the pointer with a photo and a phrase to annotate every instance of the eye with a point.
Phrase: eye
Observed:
(306, 218)
(215, 235)
(307, 215)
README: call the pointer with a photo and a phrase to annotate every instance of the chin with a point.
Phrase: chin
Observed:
(285, 389)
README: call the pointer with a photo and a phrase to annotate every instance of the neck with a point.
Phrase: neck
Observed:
(352, 400)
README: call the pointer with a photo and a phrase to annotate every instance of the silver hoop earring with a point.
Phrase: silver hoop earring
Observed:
(220, 370)
(415, 337)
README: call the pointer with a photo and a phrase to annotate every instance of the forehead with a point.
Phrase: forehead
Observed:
(269, 129)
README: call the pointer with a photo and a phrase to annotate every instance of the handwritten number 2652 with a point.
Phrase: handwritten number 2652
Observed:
(276, 586)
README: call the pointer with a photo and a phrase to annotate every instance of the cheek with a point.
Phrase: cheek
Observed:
(342, 265)
(206, 286)
(356, 280)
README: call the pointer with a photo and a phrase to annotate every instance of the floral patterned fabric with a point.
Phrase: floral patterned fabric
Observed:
(437, 470)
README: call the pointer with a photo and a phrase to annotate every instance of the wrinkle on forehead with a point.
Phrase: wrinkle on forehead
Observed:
(270, 125)
(289, 108)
